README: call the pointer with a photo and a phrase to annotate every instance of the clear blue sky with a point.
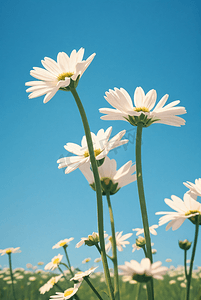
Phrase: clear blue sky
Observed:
(153, 44)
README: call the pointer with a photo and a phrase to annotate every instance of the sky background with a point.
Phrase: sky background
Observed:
(152, 44)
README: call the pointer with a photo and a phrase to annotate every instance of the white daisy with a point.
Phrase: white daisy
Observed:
(54, 262)
(120, 241)
(101, 145)
(62, 243)
(91, 240)
(144, 271)
(10, 250)
(67, 294)
(47, 286)
(186, 209)
(86, 260)
(124, 109)
(111, 178)
(79, 276)
(195, 188)
(58, 75)
(151, 229)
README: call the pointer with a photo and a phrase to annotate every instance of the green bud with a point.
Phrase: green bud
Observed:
(185, 245)
(93, 239)
(134, 120)
(141, 278)
(140, 241)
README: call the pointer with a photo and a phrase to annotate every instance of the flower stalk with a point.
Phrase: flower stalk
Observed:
(92, 287)
(68, 260)
(98, 190)
(150, 290)
(11, 274)
(114, 248)
(189, 276)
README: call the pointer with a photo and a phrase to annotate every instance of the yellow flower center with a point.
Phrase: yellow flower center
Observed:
(96, 152)
(68, 292)
(110, 238)
(62, 76)
(8, 251)
(56, 261)
(62, 244)
(106, 180)
(87, 259)
(191, 212)
(52, 281)
(143, 108)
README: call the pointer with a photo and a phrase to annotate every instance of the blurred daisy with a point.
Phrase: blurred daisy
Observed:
(186, 209)
(124, 109)
(63, 243)
(80, 275)
(58, 75)
(47, 286)
(168, 260)
(86, 260)
(151, 229)
(120, 241)
(101, 145)
(195, 188)
(144, 271)
(10, 250)
(97, 260)
(67, 294)
(54, 262)
(110, 177)
(91, 240)
(32, 278)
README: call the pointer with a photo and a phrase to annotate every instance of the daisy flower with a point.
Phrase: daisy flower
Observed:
(101, 143)
(54, 262)
(47, 286)
(67, 294)
(111, 178)
(195, 188)
(57, 75)
(120, 241)
(91, 240)
(144, 271)
(186, 209)
(10, 250)
(80, 275)
(62, 243)
(151, 229)
(86, 260)
(124, 109)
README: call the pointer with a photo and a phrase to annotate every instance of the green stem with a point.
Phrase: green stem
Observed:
(114, 248)
(138, 291)
(150, 289)
(192, 258)
(98, 191)
(11, 274)
(62, 271)
(93, 288)
(185, 267)
(69, 265)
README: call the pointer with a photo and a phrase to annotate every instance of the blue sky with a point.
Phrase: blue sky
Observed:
(153, 44)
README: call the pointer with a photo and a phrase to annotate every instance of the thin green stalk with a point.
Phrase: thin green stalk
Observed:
(185, 266)
(192, 258)
(62, 271)
(150, 290)
(98, 191)
(11, 274)
(68, 260)
(114, 248)
(138, 291)
(93, 288)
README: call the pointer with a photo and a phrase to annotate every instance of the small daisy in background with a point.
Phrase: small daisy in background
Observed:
(10, 250)
(48, 285)
(54, 262)
(57, 75)
(67, 294)
(80, 275)
(151, 229)
(120, 241)
(86, 260)
(101, 143)
(63, 243)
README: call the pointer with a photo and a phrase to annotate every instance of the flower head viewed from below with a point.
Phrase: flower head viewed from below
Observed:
(101, 143)
(151, 229)
(195, 188)
(57, 75)
(62, 243)
(54, 262)
(48, 285)
(67, 294)
(124, 109)
(144, 271)
(80, 275)
(120, 241)
(186, 209)
(10, 250)
(111, 178)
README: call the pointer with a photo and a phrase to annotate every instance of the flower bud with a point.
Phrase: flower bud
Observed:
(185, 245)
(140, 241)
